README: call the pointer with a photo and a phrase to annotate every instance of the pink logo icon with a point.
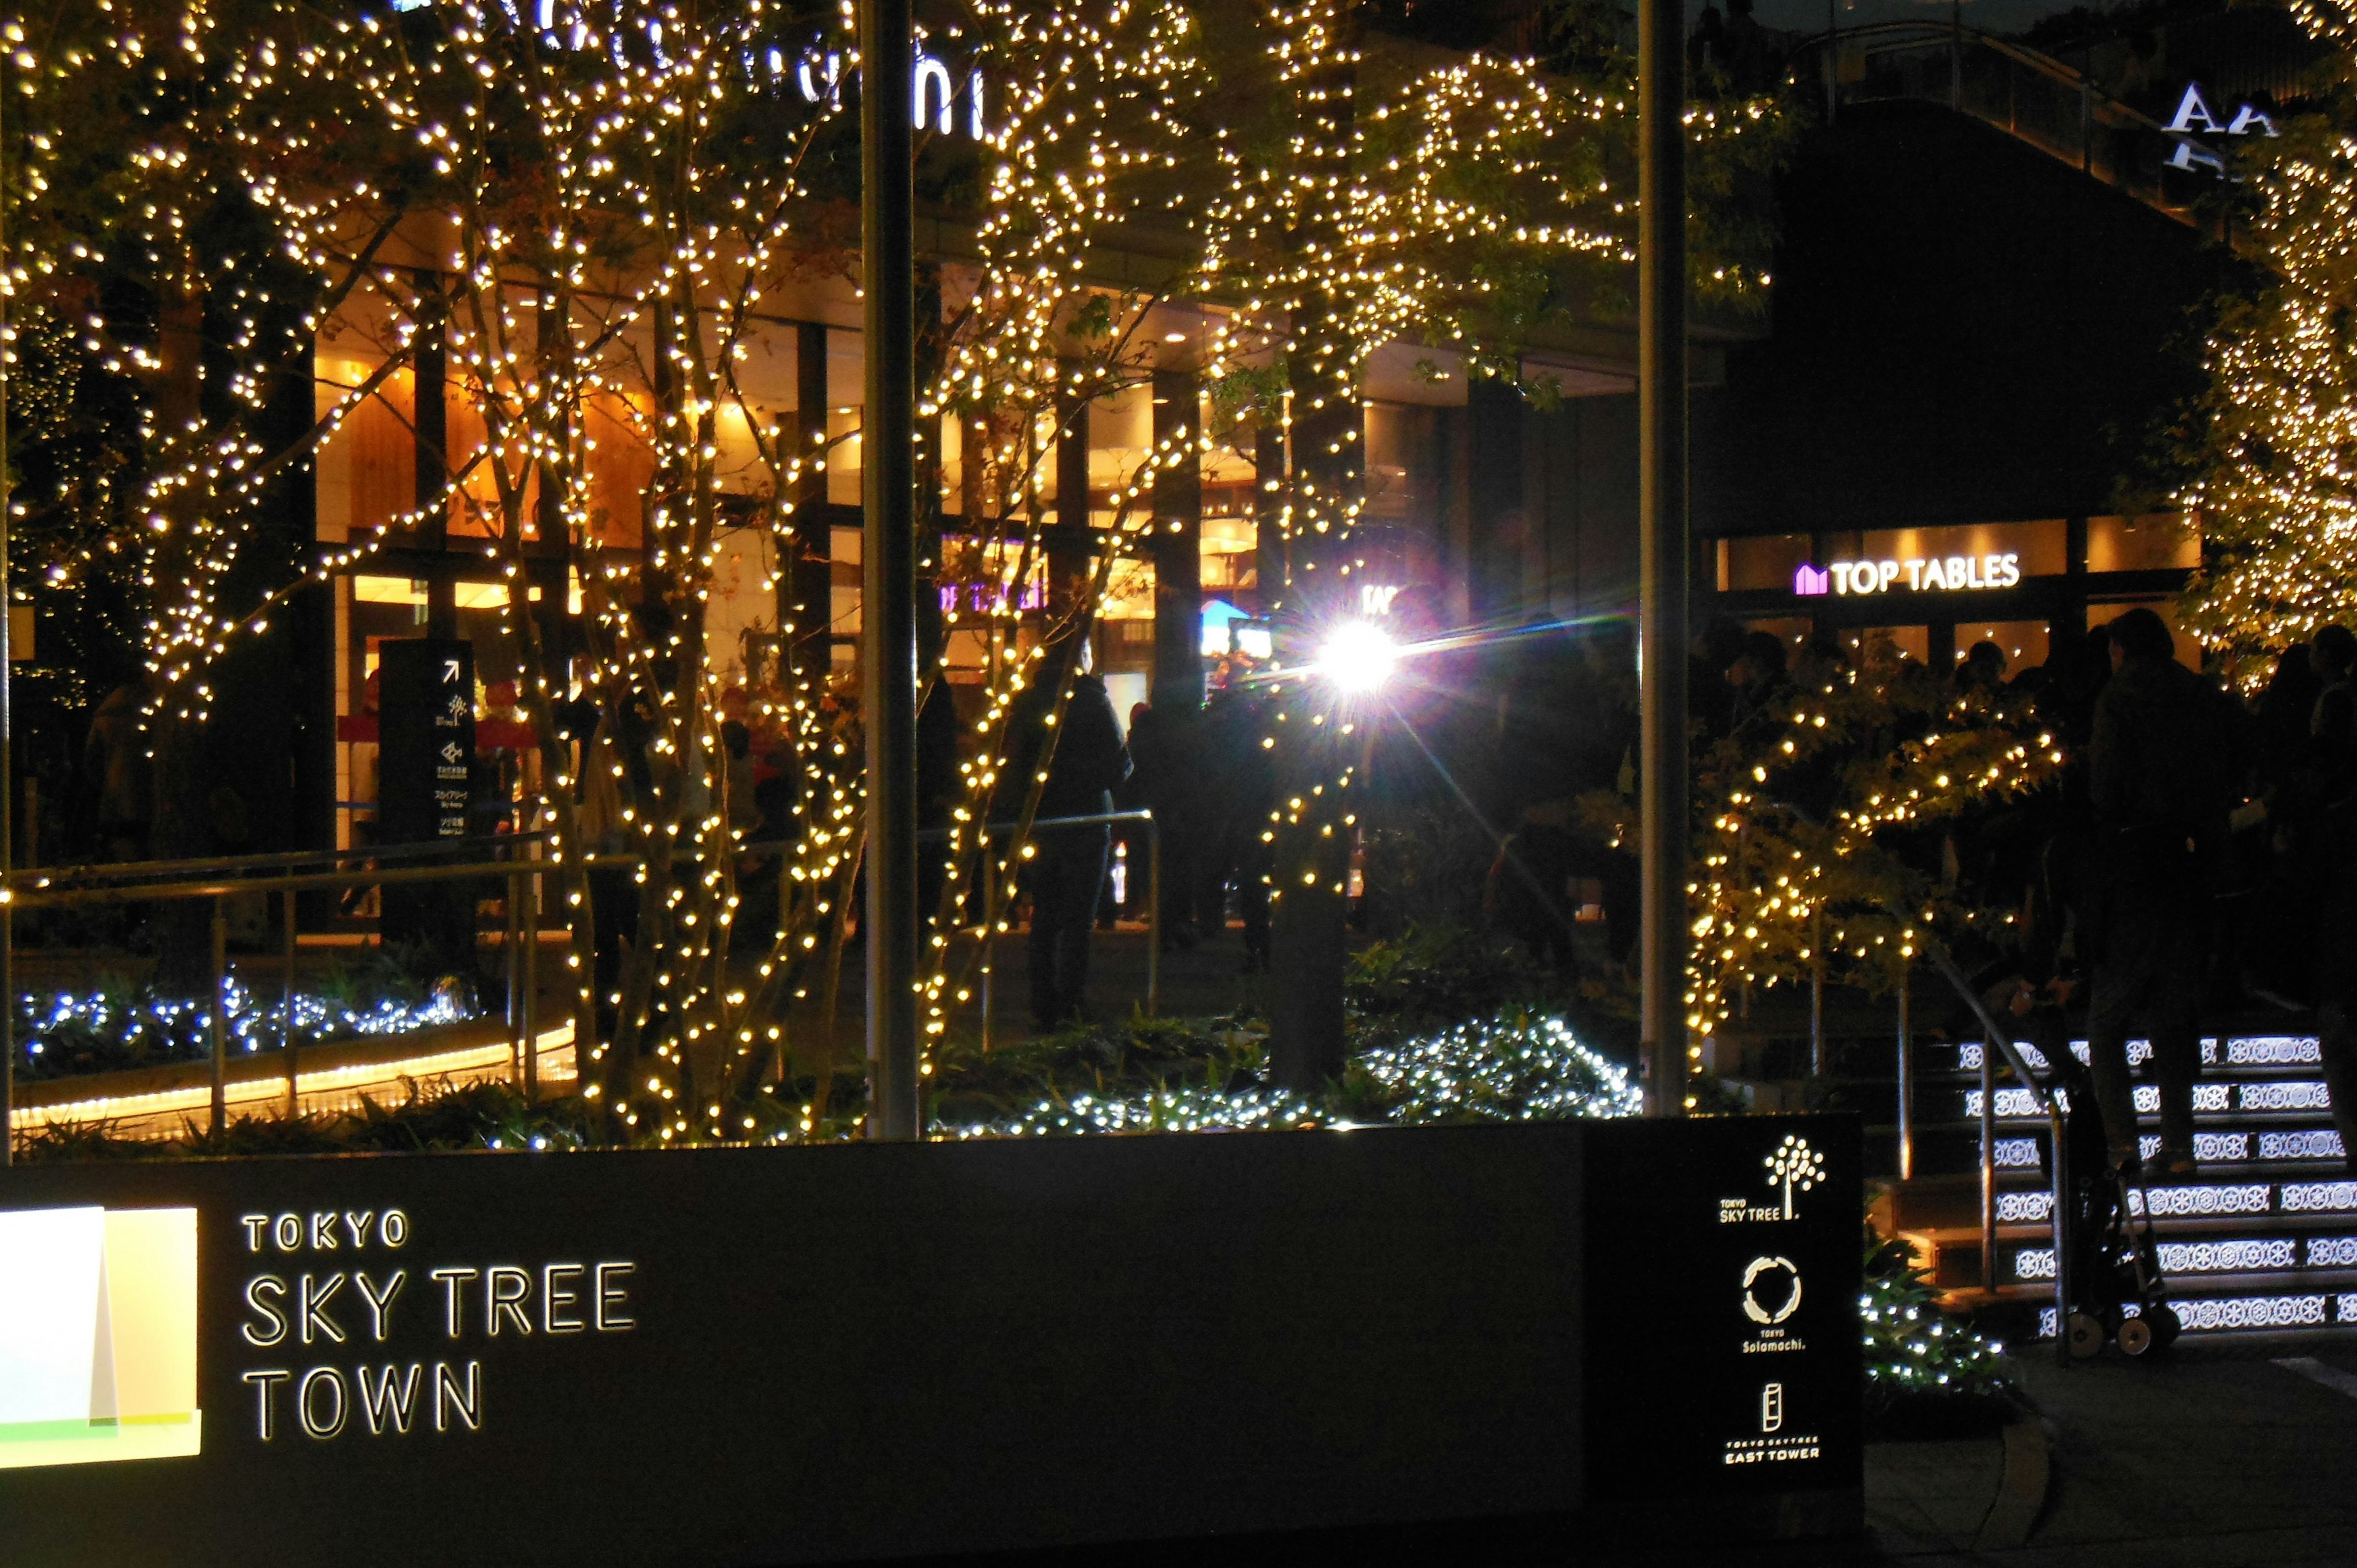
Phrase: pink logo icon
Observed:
(1807, 579)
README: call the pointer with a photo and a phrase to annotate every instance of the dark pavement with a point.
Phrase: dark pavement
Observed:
(2223, 1457)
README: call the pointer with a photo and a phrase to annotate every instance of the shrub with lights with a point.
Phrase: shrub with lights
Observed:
(1524, 1068)
(1927, 1373)
(110, 1028)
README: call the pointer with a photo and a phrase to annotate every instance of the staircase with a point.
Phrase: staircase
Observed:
(2262, 1241)
(2030, 96)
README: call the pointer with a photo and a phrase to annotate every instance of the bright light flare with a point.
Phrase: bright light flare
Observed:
(1359, 656)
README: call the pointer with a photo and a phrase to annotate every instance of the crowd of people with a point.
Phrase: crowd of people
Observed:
(2197, 858)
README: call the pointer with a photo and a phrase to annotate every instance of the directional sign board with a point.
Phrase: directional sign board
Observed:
(1729, 1336)
(427, 725)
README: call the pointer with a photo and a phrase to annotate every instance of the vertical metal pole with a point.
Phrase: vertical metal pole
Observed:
(7, 728)
(1833, 56)
(1988, 1166)
(989, 934)
(1662, 548)
(2086, 129)
(286, 1010)
(530, 961)
(522, 1047)
(1906, 1090)
(887, 603)
(1153, 916)
(2059, 1225)
(220, 1016)
(1817, 996)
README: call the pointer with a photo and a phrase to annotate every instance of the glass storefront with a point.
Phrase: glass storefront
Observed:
(1938, 592)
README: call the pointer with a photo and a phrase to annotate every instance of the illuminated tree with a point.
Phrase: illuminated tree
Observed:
(1808, 855)
(164, 160)
(581, 205)
(1369, 197)
(2273, 450)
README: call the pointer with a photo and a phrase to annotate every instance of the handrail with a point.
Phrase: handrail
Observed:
(111, 870)
(2065, 130)
(521, 873)
(1908, 35)
(1996, 1036)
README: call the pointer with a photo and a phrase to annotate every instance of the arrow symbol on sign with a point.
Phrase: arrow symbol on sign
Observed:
(450, 669)
(450, 753)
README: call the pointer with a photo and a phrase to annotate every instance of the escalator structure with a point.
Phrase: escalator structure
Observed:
(2037, 99)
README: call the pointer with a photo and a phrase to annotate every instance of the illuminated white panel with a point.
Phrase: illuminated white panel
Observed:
(2033, 1263)
(2271, 1050)
(2251, 1312)
(48, 1311)
(2315, 1144)
(2016, 1154)
(2208, 1147)
(2172, 1201)
(2345, 1308)
(2331, 1253)
(2285, 1097)
(2238, 1256)
(2023, 1208)
(1968, 1054)
(2012, 1104)
(2318, 1196)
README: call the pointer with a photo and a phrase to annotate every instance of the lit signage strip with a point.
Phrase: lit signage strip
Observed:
(157, 1113)
(1922, 573)
(932, 91)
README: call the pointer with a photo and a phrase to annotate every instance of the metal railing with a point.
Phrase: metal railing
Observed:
(223, 878)
(2031, 96)
(145, 882)
(989, 930)
(1997, 1040)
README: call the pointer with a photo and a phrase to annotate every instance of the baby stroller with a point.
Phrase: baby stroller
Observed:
(2112, 1270)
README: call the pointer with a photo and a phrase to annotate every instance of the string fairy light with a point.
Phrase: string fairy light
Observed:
(584, 212)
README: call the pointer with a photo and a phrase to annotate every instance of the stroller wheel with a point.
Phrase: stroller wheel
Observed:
(2086, 1334)
(2135, 1337)
(2166, 1325)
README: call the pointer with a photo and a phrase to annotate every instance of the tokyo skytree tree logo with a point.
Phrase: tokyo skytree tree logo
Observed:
(1795, 1167)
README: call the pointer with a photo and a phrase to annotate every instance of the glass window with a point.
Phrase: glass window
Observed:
(846, 389)
(1399, 464)
(1910, 641)
(2023, 642)
(1765, 562)
(368, 469)
(1231, 499)
(764, 401)
(2043, 547)
(1792, 631)
(2188, 648)
(2156, 541)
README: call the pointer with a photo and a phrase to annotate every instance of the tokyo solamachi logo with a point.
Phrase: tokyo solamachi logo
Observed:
(1795, 1167)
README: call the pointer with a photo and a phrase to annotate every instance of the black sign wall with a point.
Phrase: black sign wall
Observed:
(750, 1356)
(426, 726)
(1736, 1249)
